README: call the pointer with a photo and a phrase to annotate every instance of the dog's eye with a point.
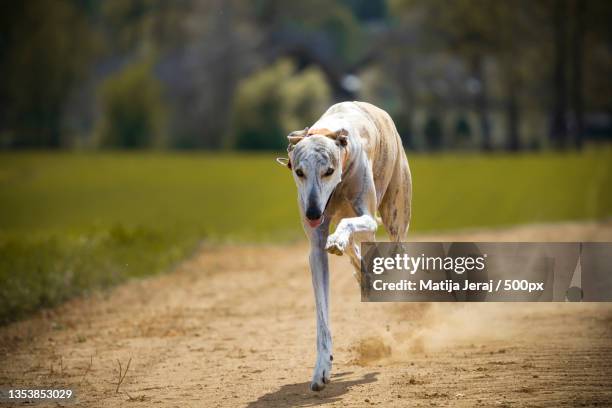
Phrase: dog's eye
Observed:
(299, 173)
(329, 172)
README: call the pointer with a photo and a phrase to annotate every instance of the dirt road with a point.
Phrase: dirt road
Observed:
(234, 326)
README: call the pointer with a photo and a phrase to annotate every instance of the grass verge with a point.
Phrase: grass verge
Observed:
(72, 222)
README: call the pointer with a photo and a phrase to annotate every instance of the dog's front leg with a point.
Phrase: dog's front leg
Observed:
(338, 242)
(320, 283)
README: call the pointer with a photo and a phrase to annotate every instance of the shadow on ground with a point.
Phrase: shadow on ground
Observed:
(299, 395)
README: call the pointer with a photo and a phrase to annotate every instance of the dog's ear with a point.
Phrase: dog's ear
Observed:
(284, 161)
(341, 137)
(296, 137)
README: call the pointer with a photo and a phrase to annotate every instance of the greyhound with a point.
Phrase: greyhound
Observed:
(346, 166)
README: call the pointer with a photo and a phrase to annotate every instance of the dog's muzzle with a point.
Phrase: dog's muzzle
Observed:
(314, 217)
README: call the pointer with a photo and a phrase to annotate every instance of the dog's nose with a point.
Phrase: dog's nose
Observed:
(313, 213)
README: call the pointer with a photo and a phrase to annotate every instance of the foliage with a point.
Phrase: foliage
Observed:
(132, 109)
(70, 223)
(274, 102)
(305, 97)
(493, 58)
(46, 48)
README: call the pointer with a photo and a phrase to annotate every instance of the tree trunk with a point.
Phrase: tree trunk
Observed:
(403, 76)
(576, 91)
(223, 74)
(482, 101)
(514, 141)
(558, 133)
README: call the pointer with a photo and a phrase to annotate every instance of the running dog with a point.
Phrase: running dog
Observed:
(346, 166)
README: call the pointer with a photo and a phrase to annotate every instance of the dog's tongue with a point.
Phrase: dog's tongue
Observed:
(314, 223)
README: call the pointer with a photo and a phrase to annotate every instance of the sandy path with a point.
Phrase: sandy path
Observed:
(234, 326)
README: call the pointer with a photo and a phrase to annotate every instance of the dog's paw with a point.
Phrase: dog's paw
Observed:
(337, 244)
(322, 372)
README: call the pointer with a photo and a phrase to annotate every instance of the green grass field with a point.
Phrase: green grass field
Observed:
(71, 222)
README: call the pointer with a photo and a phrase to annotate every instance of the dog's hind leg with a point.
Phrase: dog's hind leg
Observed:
(395, 207)
(354, 253)
(320, 282)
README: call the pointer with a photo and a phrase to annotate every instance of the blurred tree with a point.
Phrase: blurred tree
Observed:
(133, 115)
(259, 101)
(543, 43)
(526, 56)
(433, 133)
(275, 101)
(577, 81)
(368, 10)
(463, 132)
(142, 25)
(306, 95)
(463, 26)
(46, 47)
(333, 41)
(591, 63)
(582, 47)
(219, 48)
(398, 63)
(558, 131)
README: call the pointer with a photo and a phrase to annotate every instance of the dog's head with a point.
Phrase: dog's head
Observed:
(316, 160)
